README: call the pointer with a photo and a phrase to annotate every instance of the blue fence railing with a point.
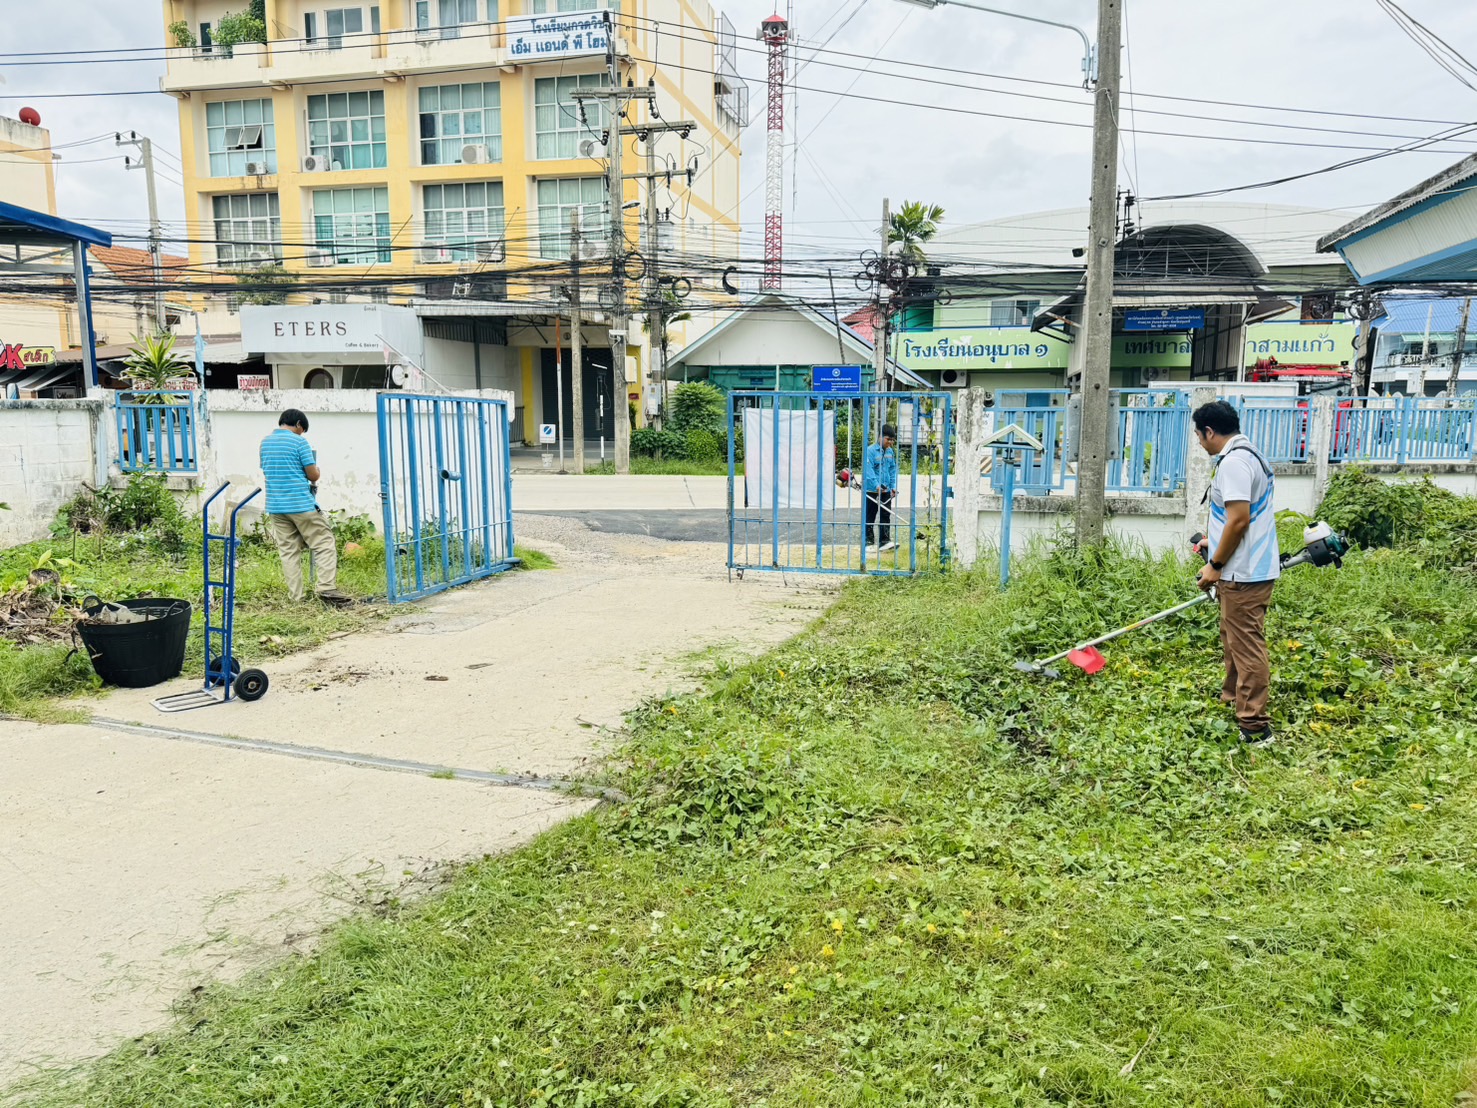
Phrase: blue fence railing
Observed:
(1153, 434)
(1153, 438)
(1279, 428)
(158, 431)
(1041, 413)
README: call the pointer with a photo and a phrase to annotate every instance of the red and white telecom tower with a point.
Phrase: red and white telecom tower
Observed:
(774, 32)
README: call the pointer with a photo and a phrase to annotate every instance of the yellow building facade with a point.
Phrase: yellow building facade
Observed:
(434, 150)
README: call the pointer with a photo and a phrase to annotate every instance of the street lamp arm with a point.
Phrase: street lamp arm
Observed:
(1089, 61)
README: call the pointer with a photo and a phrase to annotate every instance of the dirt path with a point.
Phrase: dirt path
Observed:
(138, 867)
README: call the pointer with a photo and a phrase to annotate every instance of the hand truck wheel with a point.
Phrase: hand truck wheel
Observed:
(215, 675)
(251, 685)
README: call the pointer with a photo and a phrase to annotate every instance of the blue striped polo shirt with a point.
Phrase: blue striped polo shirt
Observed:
(283, 456)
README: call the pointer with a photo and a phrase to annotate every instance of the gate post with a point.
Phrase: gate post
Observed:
(968, 458)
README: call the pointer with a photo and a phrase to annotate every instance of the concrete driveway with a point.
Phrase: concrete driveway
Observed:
(140, 863)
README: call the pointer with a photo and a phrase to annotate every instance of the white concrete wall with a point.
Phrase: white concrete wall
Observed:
(48, 448)
(343, 430)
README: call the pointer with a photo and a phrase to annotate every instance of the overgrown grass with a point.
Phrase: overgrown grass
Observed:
(533, 559)
(122, 566)
(879, 866)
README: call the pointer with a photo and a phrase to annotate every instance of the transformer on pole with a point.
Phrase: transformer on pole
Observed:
(774, 32)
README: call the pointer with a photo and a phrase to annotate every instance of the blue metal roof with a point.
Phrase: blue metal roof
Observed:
(18, 224)
(1408, 317)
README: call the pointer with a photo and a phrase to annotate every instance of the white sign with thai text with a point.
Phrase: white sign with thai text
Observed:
(531, 38)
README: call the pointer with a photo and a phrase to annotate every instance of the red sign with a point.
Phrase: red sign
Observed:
(17, 355)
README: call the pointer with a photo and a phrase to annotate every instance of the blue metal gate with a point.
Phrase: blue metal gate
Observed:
(797, 498)
(446, 484)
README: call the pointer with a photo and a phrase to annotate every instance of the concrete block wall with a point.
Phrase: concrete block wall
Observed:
(48, 449)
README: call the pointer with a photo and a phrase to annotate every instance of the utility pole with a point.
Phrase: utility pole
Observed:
(657, 308)
(879, 324)
(146, 163)
(576, 347)
(1097, 323)
(1461, 342)
(618, 317)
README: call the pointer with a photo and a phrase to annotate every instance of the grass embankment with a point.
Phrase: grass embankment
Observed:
(131, 564)
(648, 467)
(878, 866)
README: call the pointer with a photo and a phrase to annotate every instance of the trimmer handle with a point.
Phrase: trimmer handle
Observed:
(1195, 540)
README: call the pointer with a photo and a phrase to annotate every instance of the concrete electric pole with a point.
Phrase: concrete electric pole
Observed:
(879, 322)
(1097, 311)
(146, 163)
(576, 347)
(1461, 342)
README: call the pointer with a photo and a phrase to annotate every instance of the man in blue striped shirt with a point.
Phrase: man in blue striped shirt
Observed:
(293, 517)
(1243, 561)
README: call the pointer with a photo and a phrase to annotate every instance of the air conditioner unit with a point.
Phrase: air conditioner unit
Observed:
(591, 148)
(320, 257)
(257, 169)
(592, 249)
(475, 153)
(435, 255)
(259, 257)
(316, 163)
(954, 378)
(491, 252)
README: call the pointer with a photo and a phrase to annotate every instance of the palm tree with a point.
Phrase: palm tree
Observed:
(911, 226)
(152, 364)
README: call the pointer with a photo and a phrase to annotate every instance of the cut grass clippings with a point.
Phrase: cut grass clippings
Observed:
(880, 867)
(121, 566)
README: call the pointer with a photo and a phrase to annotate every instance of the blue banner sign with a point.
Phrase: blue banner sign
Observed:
(1164, 319)
(836, 378)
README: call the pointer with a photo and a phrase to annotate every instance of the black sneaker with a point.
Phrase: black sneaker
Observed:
(1258, 739)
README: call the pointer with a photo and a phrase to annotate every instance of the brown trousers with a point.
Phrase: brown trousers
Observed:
(1248, 670)
(302, 531)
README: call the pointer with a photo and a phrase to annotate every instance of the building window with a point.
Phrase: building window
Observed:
(465, 219)
(557, 120)
(1013, 313)
(238, 133)
(248, 228)
(353, 224)
(348, 128)
(543, 7)
(558, 200)
(453, 116)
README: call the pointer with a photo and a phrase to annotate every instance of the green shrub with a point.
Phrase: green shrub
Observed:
(351, 528)
(705, 447)
(648, 442)
(1436, 524)
(144, 506)
(697, 406)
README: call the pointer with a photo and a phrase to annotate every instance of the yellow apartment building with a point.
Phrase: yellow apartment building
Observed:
(430, 153)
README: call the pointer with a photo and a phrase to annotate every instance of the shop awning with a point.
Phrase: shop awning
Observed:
(34, 380)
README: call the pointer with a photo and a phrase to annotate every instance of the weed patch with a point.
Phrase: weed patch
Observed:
(879, 866)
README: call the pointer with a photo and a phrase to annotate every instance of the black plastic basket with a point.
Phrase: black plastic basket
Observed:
(137, 655)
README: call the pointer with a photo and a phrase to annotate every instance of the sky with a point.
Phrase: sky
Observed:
(874, 130)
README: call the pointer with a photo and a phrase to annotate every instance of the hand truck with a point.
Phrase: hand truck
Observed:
(222, 670)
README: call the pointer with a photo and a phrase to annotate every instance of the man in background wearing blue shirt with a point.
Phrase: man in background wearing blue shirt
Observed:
(293, 517)
(879, 486)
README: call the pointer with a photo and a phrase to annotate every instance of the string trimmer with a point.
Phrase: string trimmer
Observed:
(1322, 546)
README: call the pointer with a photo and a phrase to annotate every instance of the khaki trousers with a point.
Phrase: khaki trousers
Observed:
(302, 531)
(1248, 670)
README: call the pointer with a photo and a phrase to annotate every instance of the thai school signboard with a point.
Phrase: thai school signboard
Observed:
(980, 349)
(534, 38)
(1153, 351)
(1296, 343)
(1164, 319)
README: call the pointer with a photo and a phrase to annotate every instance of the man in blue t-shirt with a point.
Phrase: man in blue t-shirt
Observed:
(293, 517)
(879, 487)
(1243, 561)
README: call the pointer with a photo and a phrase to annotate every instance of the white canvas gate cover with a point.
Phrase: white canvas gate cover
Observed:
(805, 476)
